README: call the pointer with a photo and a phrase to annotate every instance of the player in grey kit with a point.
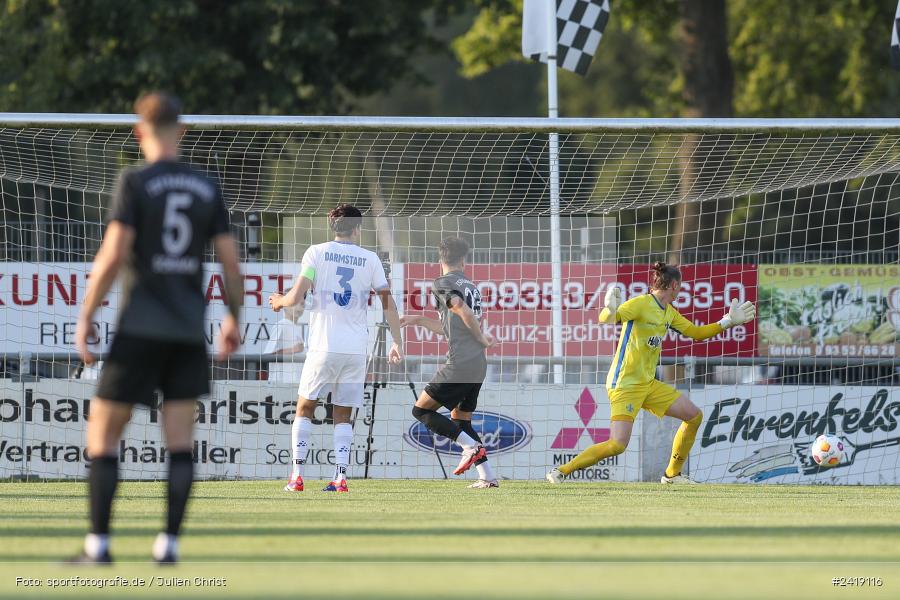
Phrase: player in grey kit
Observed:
(457, 384)
(163, 216)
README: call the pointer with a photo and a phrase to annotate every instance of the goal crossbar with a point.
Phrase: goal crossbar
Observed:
(462, 165)
(469, 124)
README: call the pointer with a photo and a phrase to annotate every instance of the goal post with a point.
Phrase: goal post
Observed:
(800, 216)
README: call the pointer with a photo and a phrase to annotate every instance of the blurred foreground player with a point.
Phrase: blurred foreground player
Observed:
(163, 215)
(457, 384)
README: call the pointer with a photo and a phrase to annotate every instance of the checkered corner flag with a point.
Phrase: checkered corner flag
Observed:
(895, 40)
(579, 27)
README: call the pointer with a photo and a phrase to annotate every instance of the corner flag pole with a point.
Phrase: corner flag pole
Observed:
(555, 252)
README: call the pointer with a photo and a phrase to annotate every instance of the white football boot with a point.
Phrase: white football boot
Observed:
(483, 484)
(555, 476)
(678, 479)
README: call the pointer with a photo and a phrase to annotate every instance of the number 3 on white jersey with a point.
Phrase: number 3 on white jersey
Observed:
(345, 274)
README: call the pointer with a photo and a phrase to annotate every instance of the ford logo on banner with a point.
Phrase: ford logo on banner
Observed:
(498, 433)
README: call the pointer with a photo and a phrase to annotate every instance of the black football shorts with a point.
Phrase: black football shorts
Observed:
(457, 385)
(136, 367)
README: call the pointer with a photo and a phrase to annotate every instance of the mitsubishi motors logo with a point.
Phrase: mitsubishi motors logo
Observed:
(568, 437)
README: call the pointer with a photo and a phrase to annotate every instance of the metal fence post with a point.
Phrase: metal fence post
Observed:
(24, 375)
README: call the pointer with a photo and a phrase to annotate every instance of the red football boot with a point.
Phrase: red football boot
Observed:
(469, 458)
(294, 485)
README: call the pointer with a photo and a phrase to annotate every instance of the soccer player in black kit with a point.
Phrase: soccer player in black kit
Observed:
(457, 384)
(163, 215)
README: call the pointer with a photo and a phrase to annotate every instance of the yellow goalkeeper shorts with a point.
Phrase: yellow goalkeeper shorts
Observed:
(654, 396)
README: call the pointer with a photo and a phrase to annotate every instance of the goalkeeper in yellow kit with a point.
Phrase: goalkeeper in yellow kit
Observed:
(631, 383)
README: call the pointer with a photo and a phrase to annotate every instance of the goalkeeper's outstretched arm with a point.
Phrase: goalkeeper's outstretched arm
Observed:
(612, 301)
(736, 315)
(695, 332)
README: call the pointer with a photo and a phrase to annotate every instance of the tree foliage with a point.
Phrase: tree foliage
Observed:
(241, 56)
(814, 59)
(496, 29)
(790, 59)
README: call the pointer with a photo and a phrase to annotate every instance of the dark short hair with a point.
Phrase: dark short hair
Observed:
(662, 276)
(158, 109)
(344, 219)
(453, 250)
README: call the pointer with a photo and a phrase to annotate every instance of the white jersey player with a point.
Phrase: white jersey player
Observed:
(336, 279)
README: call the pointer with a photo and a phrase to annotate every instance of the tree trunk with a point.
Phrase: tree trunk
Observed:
(708, 92)
(706, 66)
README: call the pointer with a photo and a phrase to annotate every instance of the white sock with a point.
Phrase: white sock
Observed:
(343, 438)
(466, 441)
(96, 544)
(485, 471)
(165, 544)
(301, 430)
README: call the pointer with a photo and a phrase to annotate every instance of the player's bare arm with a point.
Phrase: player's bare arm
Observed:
(116, 247)
(462, 310)
(227, 253)
(393, 319)
(432, 325)
(294, 296)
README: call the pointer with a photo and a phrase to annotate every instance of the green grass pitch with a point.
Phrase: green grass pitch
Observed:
(436, 539)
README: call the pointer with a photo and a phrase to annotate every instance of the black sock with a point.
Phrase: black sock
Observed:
(102, 480)
(466, 426)
(436, 422)
(181, 477)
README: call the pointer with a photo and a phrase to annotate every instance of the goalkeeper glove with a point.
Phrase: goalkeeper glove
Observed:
(613, 298)
(738, 314)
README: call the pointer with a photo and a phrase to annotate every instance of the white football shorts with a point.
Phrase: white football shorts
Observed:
(344, 375)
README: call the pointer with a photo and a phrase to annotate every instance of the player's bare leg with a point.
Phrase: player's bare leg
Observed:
(343, 438)
(106, 423)
(691, 416)
(425, 411)
(619, 436)
(486, 476)
(178, 425)
(301, 431)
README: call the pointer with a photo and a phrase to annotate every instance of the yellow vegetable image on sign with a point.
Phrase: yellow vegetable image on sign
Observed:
(829, 310)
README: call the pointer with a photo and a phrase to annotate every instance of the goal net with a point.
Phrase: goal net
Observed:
(799, 217)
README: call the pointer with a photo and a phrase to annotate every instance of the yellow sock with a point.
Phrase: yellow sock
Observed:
(592, 456)
(681, 445)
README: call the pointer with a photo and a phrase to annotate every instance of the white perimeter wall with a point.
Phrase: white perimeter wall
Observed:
(750, 433)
